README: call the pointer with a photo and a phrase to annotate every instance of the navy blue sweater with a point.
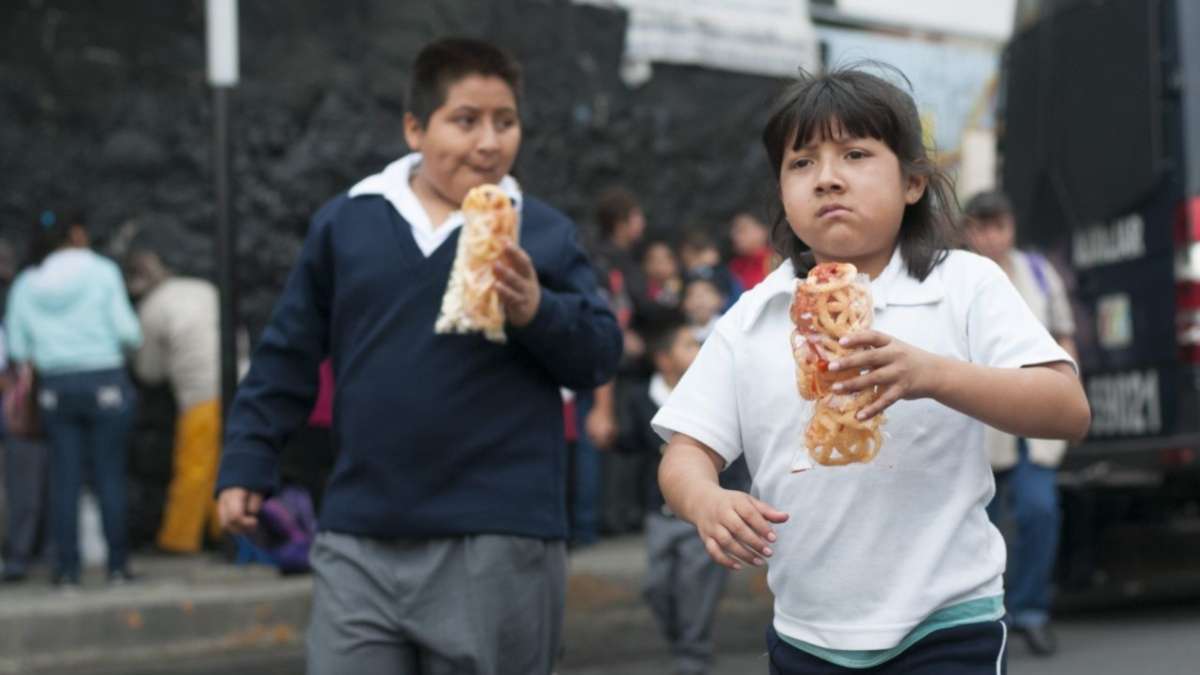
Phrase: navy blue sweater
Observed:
(435, 435)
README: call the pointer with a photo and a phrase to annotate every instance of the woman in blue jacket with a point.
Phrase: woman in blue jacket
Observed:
(69, 316)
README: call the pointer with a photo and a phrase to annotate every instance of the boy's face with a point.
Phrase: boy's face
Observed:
(471, 139)
(991, 237)
(701, 302)
(675, 360)
(695, 258)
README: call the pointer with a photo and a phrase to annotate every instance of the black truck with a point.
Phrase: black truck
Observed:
(1099, 138)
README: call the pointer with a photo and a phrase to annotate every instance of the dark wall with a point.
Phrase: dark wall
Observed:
(105, 105)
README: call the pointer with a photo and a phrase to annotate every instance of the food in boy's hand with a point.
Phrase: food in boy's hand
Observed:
(828, 305)
(471, 302)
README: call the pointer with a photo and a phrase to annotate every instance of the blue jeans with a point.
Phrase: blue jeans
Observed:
(1028, 494)
(87, 417)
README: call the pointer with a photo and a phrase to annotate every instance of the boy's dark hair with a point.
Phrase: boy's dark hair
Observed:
(864, 105)
(653, 242)
(712, 276)
(613, 206)
(443, 62)
(660, 327)
(698, 239)
(987, 205)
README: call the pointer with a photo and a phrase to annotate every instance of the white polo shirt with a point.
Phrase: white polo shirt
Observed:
(870, 549)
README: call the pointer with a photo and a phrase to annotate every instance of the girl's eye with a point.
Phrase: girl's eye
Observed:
(801, 163)
(856, 154)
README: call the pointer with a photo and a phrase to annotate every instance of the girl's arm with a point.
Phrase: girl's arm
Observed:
(1040, 401)
(735, 527)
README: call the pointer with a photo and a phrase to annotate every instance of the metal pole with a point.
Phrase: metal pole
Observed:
(226, 247)
(221, 34)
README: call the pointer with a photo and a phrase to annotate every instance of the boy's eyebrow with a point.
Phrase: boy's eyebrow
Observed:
(467, 107)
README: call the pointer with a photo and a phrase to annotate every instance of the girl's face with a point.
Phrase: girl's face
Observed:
(659, 263)
(749, 236)
(845, 197)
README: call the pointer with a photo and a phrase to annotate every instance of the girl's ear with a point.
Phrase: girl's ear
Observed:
(914, 188)
(414, 132)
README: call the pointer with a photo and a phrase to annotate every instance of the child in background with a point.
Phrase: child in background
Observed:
(660, 267)
(683, 585)
(700, 257)
(704, 300)
(752, 257)
(890, 565)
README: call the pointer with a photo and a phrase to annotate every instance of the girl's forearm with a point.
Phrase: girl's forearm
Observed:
(685, 473)
(1035, 402)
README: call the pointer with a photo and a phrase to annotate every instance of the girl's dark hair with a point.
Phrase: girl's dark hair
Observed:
(444, 62)
(861, 105)
(50, 232)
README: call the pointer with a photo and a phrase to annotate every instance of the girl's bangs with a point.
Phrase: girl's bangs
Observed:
(830, 110)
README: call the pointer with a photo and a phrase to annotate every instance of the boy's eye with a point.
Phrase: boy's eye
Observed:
(464, 121)
(505, 123)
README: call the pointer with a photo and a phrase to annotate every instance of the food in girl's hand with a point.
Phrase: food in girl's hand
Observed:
(471, 302)
(832, 302)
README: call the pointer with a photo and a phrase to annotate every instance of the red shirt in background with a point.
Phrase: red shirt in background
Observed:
(322, 412)
(752, 268)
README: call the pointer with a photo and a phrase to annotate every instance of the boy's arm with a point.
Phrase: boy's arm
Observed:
(573, 333)
(149, 362)
(278, 392)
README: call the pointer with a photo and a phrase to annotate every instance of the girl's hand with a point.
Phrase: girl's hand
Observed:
(898, 369)
(735, 527)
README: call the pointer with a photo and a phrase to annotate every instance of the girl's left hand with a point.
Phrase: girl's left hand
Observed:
(898, 369)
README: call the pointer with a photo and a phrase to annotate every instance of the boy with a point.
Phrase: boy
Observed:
(704, 300)
(683, 585)
(441, 544)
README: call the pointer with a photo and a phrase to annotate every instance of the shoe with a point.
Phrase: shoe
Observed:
(66, 582)
(1040, 638)
(12, 575)
(120, 577)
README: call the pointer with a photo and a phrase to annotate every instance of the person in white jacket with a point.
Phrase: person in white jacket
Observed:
(1026, 468)
(181, 324)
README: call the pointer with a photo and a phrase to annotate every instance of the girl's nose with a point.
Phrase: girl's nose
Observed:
(828, 179)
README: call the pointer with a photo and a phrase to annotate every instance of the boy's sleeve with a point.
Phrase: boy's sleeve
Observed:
(149, 363)
(704, 404)
(1003, 332)
(573, 334)
(278, 392)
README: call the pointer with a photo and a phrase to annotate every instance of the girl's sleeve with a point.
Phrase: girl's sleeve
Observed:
(1003, 332)
(19, 344)
(125, 320)
(704, 404)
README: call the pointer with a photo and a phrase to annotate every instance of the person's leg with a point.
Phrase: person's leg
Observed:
(1035, 509)
(193, 476)
(353, 626)
(111, 421)
(25, 485)
(67, 439)
(660, 568)
(698, 588)
(585, 515)
(489, 605)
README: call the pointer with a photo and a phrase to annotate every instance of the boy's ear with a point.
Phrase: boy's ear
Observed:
(915, 189)
(414, 132)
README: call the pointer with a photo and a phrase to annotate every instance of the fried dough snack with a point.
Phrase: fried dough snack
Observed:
(830, 304)
(471, 302)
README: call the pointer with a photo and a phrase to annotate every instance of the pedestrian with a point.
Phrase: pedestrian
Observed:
(704, 300)
(180, 322)
(683, 584)
(702, 258)
(1026, 468)
(890, 565)
(660, 268)
(69, 318)
(26, 456)
(441, 530)
(752, 258)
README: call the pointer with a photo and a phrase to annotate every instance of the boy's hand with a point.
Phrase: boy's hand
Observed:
(237, 510)
(735, 527)
(517, 285)
(900, 370)
(601, 428)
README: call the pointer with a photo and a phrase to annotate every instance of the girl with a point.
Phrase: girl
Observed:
(892, 564)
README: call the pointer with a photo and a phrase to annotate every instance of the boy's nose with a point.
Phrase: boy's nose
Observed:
(489, 140)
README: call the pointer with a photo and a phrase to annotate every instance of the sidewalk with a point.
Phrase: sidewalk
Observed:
(193, 606)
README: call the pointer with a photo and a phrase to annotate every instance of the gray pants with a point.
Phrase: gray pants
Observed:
(474, 605)
(683, 586)
(26, 463)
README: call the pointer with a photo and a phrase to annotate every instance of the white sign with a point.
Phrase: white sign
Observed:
(1108, 243)
(1125, 404)
(763, 37)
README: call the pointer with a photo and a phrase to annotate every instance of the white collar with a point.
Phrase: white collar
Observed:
(393, 185)
(659, 390)
(893, 286)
